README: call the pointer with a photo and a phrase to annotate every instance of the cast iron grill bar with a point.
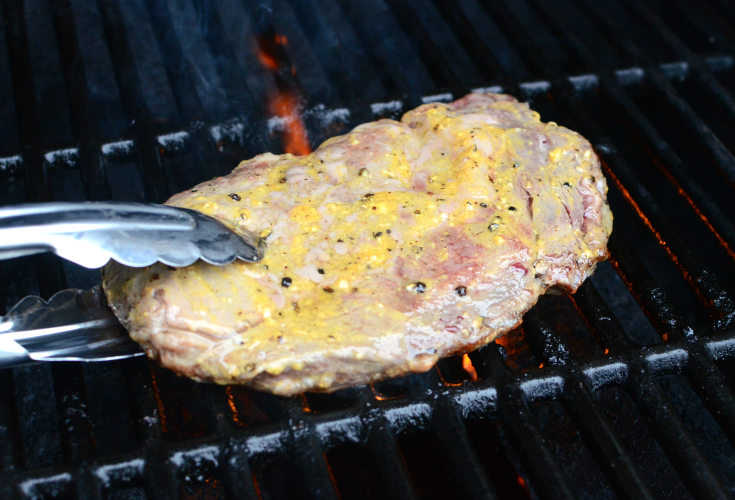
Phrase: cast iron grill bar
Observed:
(447, 425)
(26, 109)
(598, 317)
(432, 25)
(670, 431)
(382, 446)
(604, 442)
(475, 41)
(330, 86)
(546, 346)
(309, 20)
(526, 47)
(727, 7)
(96, 187)
(703, 374)
(724, 160)
(215, 399)
(650, 297)
(133, 100)
(707, 210)
(86, 485)
(599, 364)
(142, 390)
(544, 470)
(716, 300)
(712, 387)
(367, 18)
(649, 399)
(672, 435)
(610, 452)
(10, 451)
(50, 273)
(305, 447)
(432, 55)
(450, 429)
(703, 26)
(235, 78)
(159, 477)
(71, 401)
(701, 71)
(675, 170)
(237, 478)
(70, 394)
(182, 87)
(179, 75)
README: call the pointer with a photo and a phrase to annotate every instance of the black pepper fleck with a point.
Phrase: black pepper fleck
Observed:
(286, 282)
(461, 291)
(512, 209)
(419, 287)
(235, 196)
(340, 241)
(483, 205)
(516, 165)
(379, 233)
(387, 231)
(328, 289)
(282, 180)
(320, 271)
(567, 184)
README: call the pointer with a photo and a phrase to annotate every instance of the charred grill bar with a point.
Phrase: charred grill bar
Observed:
(138, 100)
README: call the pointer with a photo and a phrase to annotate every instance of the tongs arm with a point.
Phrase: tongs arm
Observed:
(134, 234)
(73, 325)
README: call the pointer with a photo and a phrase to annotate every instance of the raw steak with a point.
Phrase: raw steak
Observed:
(388, 248)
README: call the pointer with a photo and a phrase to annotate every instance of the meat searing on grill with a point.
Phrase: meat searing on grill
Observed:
(388, 248)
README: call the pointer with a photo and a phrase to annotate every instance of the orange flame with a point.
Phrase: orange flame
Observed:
(514, 345)
(467, 366)
(285, 105)
(233, 407)
(267, 60)
(283, 101)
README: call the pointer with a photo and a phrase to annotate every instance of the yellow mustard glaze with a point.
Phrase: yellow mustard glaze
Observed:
(341, 230)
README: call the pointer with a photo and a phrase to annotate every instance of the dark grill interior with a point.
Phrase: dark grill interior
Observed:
(623, 390)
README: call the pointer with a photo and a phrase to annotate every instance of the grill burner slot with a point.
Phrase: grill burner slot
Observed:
(622, 390)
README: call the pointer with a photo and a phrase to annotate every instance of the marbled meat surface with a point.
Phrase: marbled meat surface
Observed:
(387, 248)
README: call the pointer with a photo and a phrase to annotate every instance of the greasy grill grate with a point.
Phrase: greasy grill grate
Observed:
(138, 100)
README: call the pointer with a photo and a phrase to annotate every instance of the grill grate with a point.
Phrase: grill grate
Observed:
(159, 95)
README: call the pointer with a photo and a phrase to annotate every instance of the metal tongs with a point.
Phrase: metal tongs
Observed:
(77, 325)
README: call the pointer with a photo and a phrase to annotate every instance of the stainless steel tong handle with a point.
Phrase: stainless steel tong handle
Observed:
(73, 325)
(133, 234)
